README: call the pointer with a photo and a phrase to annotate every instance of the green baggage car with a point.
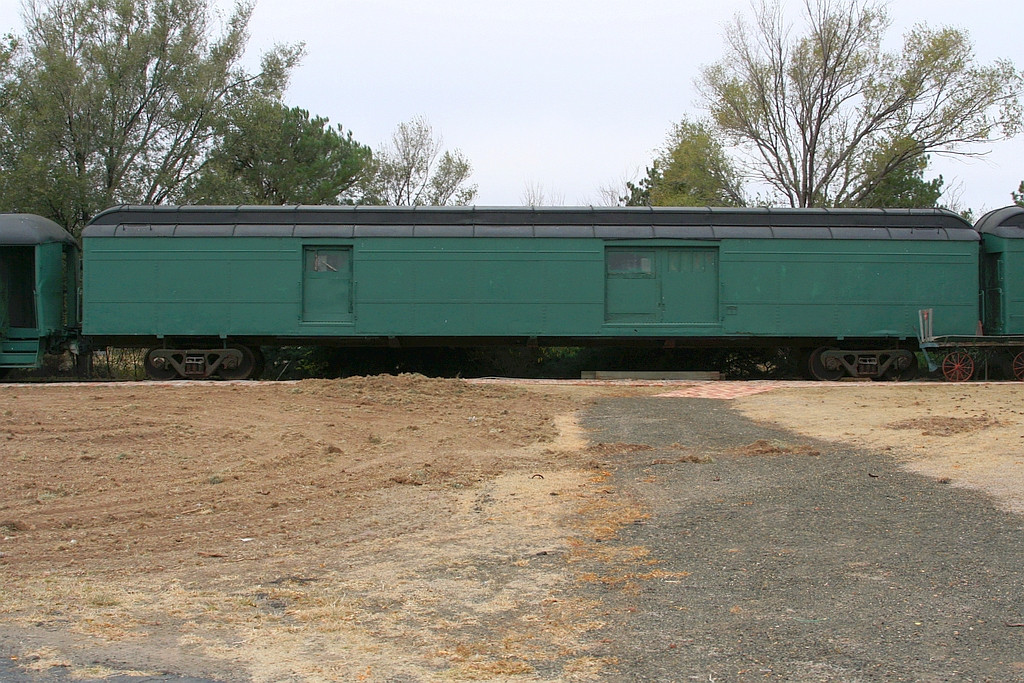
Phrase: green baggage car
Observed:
(206, 287)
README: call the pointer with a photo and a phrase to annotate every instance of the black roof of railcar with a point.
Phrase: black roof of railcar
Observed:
(26, 229)
(471, 221)
(1005, 222)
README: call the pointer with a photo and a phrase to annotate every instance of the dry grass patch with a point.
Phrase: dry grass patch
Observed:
(766, 447)
(946, 425)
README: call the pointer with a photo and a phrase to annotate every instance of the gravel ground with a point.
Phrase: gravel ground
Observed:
(803, 561)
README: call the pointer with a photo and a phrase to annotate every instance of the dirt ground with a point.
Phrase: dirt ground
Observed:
(321, 530)
(389, 528)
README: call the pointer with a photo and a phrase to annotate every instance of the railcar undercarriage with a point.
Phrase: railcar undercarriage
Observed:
(231, 362)
(830, 364)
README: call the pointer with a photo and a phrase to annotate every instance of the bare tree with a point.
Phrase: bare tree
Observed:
(812, 111)
(412, 170)
(535, 194)
(612, 193)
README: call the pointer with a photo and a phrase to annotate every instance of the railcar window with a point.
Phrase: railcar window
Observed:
(326, 260)
(639, 263)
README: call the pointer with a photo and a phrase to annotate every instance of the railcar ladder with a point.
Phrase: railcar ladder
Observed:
(926, 328)
(926, 335)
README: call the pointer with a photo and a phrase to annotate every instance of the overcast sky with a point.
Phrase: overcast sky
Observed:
(570, 95)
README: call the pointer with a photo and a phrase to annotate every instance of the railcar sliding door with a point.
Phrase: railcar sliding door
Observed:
(664, 285)
(633, 293)
(689, 285)
(327, 285)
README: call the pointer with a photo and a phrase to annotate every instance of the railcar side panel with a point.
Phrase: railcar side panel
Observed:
(292, 287)
(478, 286)
(393, 287)
(50, 283)
(190, 286)
(847, 288)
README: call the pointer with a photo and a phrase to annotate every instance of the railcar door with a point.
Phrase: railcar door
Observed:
(632, 290)
(4, 321)
(689, 285)
(665, 285)
(327, 285)
(992, 285)
(17, 286)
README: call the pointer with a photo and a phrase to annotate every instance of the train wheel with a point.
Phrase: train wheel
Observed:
(157, 369)
(958, 366)
(820, 371)
(245, 369)
(907, 372)
(1018, 366)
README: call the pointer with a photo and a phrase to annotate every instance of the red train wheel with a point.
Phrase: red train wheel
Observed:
(958, 366)
(1018, 366)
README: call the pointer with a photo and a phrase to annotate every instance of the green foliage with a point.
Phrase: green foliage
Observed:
(692, 169)
(118, 101)
(639, 193)
(412, 171)
(272, 154)
(1018, 196)
(812, 111)
(904, 186)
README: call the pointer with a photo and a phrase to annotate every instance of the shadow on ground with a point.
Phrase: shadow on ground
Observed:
(800, 560)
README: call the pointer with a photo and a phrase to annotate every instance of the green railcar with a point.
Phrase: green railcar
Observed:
(998, 344)
(1002, 235)
(38, 289)
(206, 286)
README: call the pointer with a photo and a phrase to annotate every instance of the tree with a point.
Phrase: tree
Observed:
(272, 154)
(639, 193)
(692, 169)
(1018, 196)
(811, 111)
(8, 83)
(118, 101)
(903, 187)
(412, 171)
(535, 194)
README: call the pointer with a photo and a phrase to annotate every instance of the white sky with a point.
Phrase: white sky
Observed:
(571, 95)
